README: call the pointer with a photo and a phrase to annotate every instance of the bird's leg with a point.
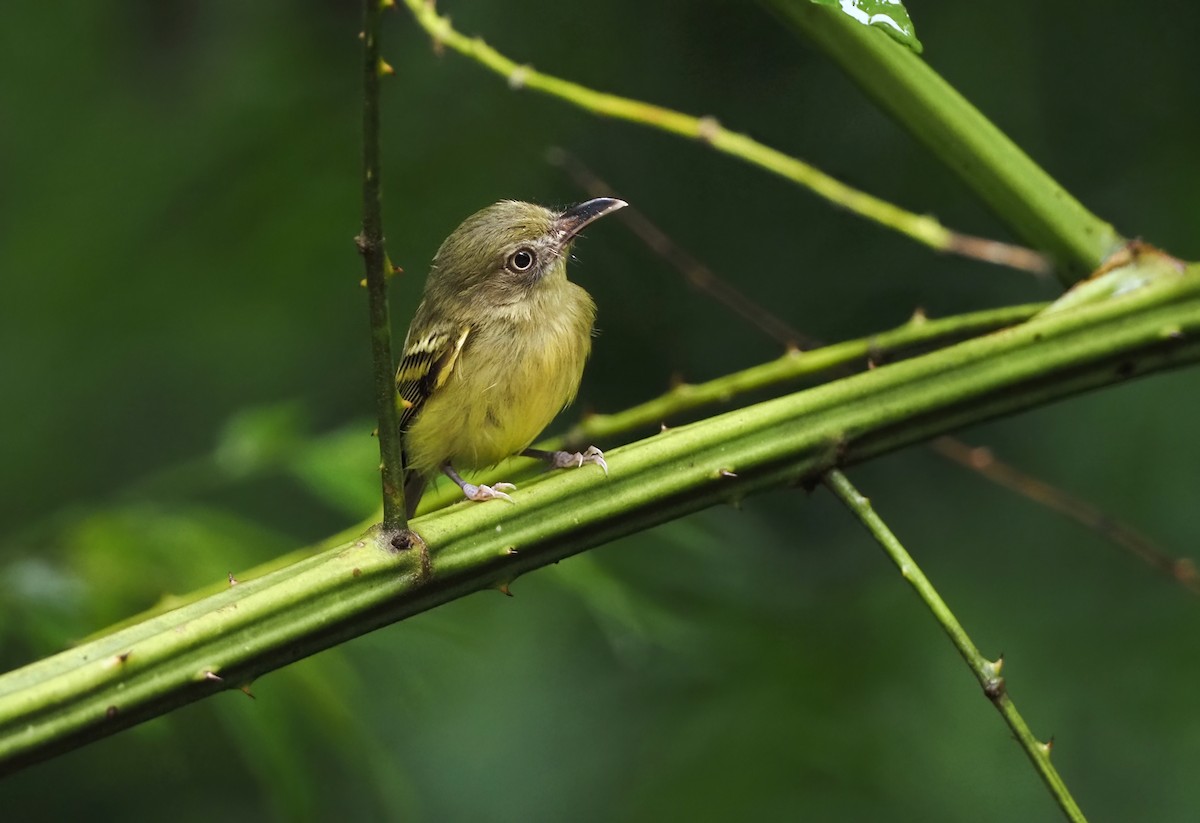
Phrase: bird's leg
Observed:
(569, 460)
(473, 492)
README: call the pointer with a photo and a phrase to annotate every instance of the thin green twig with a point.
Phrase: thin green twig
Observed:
(1019, 191)
(371, 245)
(708, 130)
(987, 672)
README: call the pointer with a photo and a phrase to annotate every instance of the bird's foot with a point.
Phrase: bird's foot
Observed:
(571, 460)
(496, 491)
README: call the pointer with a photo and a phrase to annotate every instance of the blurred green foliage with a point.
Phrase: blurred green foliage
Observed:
(184, 357)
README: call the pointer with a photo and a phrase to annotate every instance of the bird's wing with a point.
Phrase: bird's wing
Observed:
(427, 363)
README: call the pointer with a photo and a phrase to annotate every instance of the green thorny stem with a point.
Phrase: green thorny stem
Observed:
(922, 228)
(794, 366)
(226, 640)
(987, 672)
(976, 459)
(371, 244)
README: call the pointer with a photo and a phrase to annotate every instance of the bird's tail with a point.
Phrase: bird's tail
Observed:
(414, 487)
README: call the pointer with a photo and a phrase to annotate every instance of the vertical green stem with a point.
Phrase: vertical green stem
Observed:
(986, 671)
(371, 245)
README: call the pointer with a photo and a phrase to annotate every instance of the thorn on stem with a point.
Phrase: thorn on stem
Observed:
(438, 34)
(245, 689)
(504, 589)
(516, 80)
(709, 128)
(210, 675)
(120, 659)
(385, 68)
(233, 581)
(1048, 747)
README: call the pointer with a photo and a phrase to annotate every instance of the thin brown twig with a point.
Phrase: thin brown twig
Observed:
(980, 459)
(698, 275)
(977, 458)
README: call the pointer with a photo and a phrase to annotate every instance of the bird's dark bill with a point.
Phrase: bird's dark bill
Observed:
(572, 221)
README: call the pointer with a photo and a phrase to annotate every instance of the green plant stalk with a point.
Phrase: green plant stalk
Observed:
(922, 228)
(794, 366)
(254, 627)
(371, 245)
(788, 369)
(986, 671)
(1019, 191)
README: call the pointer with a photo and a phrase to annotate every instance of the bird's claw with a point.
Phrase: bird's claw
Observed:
(575, 460)
(496, 491)
(594, 455)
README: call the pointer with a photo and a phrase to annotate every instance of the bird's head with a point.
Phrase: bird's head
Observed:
(509, 249)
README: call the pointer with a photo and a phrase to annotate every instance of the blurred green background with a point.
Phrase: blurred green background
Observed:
(184, 363)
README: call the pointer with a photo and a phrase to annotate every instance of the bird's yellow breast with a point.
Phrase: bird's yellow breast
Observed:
(513, 375)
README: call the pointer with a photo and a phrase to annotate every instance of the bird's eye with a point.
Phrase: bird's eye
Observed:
(521, 260)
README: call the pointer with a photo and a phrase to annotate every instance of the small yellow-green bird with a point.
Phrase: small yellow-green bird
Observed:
(497, 346)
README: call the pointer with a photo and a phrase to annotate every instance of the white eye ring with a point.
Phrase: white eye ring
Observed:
(521, 260)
